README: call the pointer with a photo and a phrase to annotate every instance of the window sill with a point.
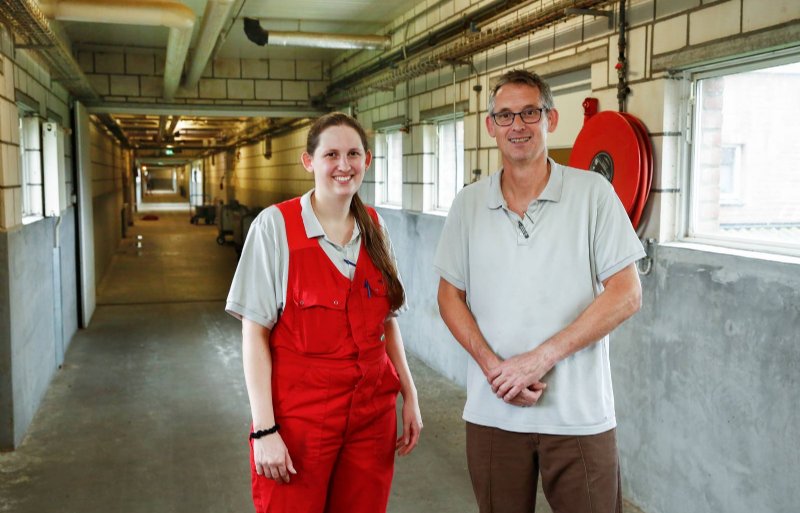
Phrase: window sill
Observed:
(31, 219)
(392, 207)
(438, 213)
(700, 245)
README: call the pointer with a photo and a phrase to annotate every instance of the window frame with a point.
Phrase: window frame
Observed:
(689, 113)
(28, 186)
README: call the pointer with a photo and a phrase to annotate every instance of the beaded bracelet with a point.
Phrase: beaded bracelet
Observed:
(265, 432)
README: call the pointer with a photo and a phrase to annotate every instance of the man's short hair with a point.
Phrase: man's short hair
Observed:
(520, 76)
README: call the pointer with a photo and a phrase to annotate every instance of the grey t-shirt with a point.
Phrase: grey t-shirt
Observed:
(258, 290)
(527, 278)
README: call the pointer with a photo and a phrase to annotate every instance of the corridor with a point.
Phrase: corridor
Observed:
(149, 411)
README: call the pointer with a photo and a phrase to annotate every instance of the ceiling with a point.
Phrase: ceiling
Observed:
(333, 16)
(190, 136)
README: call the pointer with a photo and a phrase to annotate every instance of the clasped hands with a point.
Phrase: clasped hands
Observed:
(517, 380)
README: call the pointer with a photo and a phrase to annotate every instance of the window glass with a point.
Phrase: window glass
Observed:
(449, 162)
(745, 183)
(394, 169)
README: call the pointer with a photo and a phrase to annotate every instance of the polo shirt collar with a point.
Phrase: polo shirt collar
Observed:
(551, 192)
(312, 224)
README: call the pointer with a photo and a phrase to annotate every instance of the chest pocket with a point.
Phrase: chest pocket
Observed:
(375, 301)
(322, 319)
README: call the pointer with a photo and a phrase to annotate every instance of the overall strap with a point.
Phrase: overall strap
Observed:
(295, 229)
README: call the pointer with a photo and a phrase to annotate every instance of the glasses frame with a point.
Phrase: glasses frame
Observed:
(514, 115)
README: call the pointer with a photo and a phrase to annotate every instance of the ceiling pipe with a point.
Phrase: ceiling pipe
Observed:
(172, 14)
(261, 37)
(214, 19)
(162, 125)
(173, 124)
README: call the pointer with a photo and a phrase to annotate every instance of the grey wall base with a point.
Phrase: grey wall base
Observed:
(37, 325)
(705, 376)
(414, 237)
(706, 379)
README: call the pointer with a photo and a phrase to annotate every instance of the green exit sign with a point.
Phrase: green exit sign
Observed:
(168, 151)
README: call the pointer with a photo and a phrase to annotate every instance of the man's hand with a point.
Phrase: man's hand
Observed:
(529, 396)
(520, 374)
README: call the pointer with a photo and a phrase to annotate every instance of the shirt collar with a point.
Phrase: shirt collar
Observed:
(311, 223)
(551, 192)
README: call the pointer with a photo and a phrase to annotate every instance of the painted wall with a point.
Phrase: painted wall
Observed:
(110, 167)
(706, 381)
(38, 307)
(262, 182)
(40, 317)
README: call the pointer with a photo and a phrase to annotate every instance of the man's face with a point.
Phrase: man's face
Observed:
(521, 142)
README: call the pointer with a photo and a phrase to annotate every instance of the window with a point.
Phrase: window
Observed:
(393, 185)
(31, 165)
(745, 160)
(449, 177)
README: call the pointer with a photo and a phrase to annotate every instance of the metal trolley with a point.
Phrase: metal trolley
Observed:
(227, 217)
(208, 213)
(242, 222)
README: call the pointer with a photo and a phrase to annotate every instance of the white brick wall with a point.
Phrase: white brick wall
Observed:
(670, 34)
(140, 64)
(757, 16)
(295, 90)
(719, 20)
(124, 85)
(241, 89)
(309, 70)
(281, 69)
(268, 89)
(255, 68)
(109, 63)
(227, 68)
(9, 165)
(212, 88)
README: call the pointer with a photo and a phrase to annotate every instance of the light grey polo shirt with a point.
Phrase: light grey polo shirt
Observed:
(258, 290)
(527, 279)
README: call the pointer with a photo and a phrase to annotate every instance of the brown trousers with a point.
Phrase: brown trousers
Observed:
(580, 474)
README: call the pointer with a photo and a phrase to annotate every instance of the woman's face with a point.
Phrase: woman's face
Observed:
(338, 163)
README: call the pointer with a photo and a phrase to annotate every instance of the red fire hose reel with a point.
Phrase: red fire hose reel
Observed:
(616, 145)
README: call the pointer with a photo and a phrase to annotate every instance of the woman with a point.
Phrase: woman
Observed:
(316, 289)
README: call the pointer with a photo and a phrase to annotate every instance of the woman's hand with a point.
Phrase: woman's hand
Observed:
(272, 458)
(412, 425)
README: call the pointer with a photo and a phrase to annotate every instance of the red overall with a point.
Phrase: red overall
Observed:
(334, 389)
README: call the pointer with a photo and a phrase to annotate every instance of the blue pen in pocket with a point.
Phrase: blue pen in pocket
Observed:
(366, 285)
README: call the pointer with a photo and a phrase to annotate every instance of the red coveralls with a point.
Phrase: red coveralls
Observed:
(334, 388)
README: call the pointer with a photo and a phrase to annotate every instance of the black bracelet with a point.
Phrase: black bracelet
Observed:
(265, 432)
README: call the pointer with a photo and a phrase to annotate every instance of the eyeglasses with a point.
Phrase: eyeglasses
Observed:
(528, 116)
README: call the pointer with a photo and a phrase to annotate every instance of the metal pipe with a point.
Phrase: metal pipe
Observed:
(176, 16)
(322, 40)
(214, 18)
(261, 37)
(389, 70)
(622, 62)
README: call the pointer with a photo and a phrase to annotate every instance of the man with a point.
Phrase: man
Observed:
(537, 266)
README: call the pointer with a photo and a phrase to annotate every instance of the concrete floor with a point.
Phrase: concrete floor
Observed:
(149, 412)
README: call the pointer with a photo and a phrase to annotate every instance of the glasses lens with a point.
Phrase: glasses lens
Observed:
(504, 118)
(531, 115)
